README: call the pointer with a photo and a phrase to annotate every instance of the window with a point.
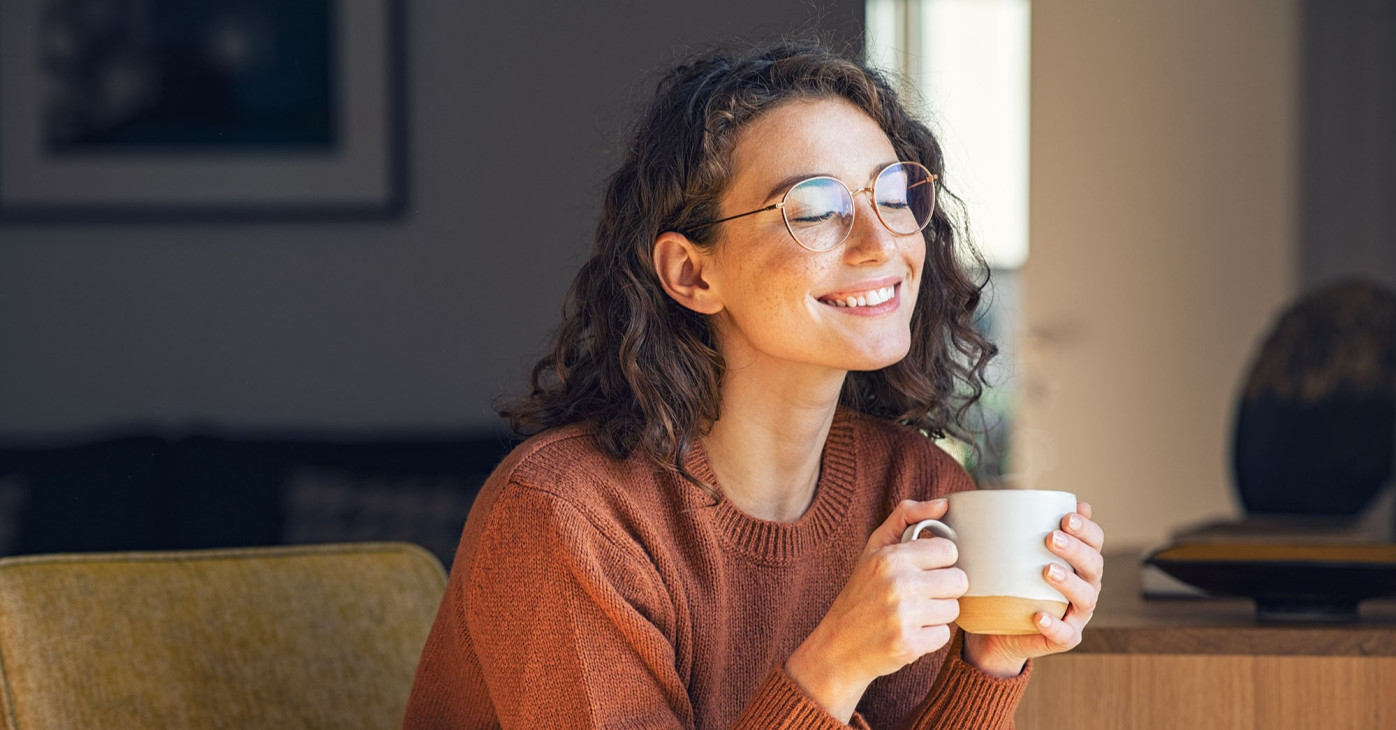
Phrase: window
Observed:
(968, 62)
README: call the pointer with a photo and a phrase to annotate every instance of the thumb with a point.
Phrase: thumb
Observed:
(907, 513)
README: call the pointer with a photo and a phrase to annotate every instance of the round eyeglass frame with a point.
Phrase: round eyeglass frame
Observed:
(931, 179)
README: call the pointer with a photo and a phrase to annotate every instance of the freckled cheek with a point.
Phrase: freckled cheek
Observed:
(911, 293)
(779, 285)
(774, 304)
(801, 286)
(917, 264)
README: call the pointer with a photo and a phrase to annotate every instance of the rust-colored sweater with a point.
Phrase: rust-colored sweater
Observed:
(590, 592)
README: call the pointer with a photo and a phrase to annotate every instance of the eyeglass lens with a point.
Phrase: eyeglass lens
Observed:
(819, 211)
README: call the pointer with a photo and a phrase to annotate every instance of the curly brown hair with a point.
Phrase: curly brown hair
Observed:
(643, 370)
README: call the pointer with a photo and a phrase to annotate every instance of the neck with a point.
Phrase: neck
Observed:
(765, 449)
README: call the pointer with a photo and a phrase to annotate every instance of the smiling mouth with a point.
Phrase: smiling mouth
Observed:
(869, 298)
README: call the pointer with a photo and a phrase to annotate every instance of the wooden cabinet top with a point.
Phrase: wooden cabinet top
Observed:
(1126, 623)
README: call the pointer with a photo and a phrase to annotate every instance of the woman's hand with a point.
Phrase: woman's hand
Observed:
(1081, 542)
(895, 608)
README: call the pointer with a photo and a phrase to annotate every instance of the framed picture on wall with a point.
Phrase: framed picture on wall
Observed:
(218, 109)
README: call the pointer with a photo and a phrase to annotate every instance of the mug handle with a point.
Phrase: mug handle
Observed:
(936, 527)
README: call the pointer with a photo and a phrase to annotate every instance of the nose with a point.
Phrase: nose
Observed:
(869, 241)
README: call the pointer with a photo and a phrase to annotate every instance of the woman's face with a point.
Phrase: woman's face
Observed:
(781, 302)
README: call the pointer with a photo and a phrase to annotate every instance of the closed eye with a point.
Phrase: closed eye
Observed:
(814, 218)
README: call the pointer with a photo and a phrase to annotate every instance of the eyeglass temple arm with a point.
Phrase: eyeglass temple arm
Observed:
(772, 206)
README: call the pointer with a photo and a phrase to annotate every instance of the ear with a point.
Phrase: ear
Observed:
(681, 267)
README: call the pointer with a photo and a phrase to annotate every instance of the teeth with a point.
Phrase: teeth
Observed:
(866, 299)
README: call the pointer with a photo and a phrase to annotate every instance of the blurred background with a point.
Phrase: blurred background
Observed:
(307, 249)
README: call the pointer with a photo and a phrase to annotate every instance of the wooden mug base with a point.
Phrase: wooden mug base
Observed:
(1008, 615)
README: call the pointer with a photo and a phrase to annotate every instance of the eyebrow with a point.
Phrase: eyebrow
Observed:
(789, 182)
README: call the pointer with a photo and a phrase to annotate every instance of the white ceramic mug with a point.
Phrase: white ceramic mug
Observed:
(1001, 537)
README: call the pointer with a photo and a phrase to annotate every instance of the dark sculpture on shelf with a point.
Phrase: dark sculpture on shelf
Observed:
(1316, 426)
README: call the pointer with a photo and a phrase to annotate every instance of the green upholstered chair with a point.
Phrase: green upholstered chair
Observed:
(318, 636)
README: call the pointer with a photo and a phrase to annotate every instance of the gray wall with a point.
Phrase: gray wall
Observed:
(1164, 185)
(412, 323)
(1349, 182)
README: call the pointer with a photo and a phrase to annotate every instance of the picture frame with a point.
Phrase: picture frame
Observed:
(217, 110)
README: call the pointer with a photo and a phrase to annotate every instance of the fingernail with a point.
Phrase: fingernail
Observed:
(1074, 522)
(1044, 620)
(939, 502)
(1059, 538)
(1056, 571)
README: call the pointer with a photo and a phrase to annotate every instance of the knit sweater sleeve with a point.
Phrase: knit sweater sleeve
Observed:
(573, 627)
(965, 697)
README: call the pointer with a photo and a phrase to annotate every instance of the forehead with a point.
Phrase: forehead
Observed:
(808, 137)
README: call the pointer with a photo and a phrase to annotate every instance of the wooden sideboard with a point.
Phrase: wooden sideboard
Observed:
(1207, 663)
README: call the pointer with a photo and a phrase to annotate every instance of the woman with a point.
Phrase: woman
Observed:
(732, 438)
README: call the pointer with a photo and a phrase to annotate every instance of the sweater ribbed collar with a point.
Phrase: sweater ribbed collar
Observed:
(777, 543)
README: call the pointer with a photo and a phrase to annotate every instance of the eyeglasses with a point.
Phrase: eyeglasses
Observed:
(819, 210)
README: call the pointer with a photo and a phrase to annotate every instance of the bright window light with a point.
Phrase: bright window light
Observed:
(969, 60)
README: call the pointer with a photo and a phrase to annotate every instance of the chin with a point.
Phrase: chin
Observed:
(869, 361)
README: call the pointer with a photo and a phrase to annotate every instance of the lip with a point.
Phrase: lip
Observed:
(891, 305)
(866, 285)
